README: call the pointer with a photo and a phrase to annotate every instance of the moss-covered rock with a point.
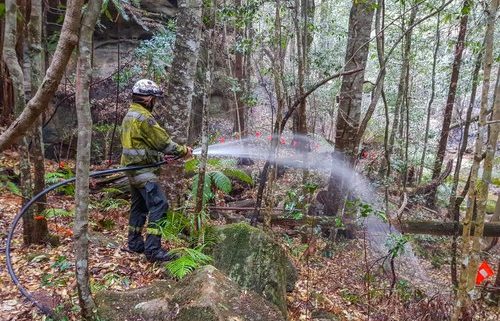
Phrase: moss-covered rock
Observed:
(251, 258)
(205, 295)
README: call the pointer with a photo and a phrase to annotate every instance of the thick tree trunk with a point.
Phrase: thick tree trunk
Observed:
(349, 111)
(478, 187)
(65, 46)
(450, 102)
(82, 102)
(176, 113)
(179, 94)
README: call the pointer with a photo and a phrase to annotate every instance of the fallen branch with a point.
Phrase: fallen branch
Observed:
(444, 228)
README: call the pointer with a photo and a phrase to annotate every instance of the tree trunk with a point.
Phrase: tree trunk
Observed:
(478, 187)
(351, 91)
(239, 74)
(179, 92)
(65, 46)
(399, 110)
(40, 230)
(450, 102)
(431, 99)
(176, 113)
(13, 26)
(453, 209)
(82, 102)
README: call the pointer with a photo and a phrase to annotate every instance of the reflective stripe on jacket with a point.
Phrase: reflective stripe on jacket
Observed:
(145, 142)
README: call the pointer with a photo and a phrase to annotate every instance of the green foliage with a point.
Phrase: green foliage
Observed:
(364, 209)
(294, 204)
(60, 175)
(109, 203)
(188, 260)
(62, 264)
(155, 55)
(396, 244)
(57, 212)
(217, 177)
(173, 225)
(2, 10)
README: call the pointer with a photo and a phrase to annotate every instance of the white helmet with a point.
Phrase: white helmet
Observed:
(146, 87)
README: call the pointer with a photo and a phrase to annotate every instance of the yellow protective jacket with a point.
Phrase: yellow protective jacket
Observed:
(145, 142)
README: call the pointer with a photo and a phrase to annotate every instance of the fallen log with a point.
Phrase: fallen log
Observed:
(444, 228)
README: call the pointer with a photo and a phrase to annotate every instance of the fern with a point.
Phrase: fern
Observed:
(221, 181)
(57, 212)
(13, 188)
(207, 188)
(188, 261)
(239, 175)
(173, 225)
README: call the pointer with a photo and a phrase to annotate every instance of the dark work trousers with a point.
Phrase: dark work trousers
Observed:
(146, 201)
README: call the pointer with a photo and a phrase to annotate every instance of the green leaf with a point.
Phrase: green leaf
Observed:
(221, 181)
(207, 191)
(57, 212)
(191, 165)
(239, 175)
(2, 10)
(188, 261)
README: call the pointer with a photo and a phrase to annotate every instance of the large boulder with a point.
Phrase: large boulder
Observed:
(251, 258)
(206, 295)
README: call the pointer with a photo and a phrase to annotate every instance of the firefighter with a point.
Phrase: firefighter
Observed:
(145, 142)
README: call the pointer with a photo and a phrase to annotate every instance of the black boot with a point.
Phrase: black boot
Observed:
(154, 252)
(135, 242)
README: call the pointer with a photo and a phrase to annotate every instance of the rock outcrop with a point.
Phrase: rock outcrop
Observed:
(251, 258)
(206, 295)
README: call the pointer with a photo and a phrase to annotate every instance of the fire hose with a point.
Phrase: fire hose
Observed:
(43, 308)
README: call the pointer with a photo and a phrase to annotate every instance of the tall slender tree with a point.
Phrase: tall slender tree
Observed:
(37, 62)
(82, 102)
(450, 101)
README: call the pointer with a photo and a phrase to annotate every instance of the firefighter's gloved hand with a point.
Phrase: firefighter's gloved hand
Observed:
(170, 159)
(189, 153)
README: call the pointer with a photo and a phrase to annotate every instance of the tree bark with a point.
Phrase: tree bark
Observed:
(65, 46)
(37, 149)
(431, 99)
(443, 228)
(478, 187)
(453, 209)
(13, 26)
(351, 91)
(450, 102)
(82, 102)
(179, 92)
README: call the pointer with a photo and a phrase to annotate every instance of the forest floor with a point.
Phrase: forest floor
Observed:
(351, 280)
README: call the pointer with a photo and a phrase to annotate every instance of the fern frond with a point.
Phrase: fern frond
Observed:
(239, 175)
(207, 190)
(221, 181)
(188, 261)
(57, 212)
